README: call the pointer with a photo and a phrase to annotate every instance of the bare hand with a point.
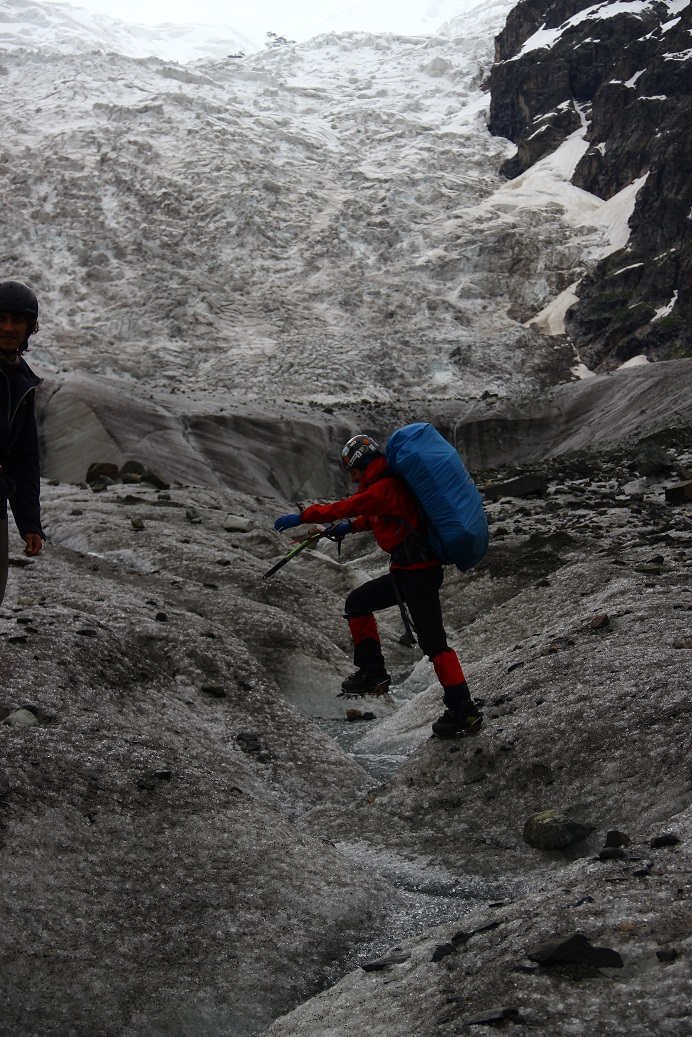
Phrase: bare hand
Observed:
(33, 544)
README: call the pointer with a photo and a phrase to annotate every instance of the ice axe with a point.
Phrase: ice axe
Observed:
(296, 550)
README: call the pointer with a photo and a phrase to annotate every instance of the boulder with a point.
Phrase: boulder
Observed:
(238, 524)
(679, 492)
(21, 718)
(522, 486)
(574, 949)
(651, 459)
(132, 468)
(156, 479)
(616, 838)
(553, 830)
(101, 470)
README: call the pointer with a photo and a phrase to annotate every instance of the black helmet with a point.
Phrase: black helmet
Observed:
(16, 297)
(358, 453)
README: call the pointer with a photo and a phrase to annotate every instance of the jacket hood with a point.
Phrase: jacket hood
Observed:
(375, 470)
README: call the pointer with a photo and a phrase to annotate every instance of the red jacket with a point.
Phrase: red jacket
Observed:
(385, 505)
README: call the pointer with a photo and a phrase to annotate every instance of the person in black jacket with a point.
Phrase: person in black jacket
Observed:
(20, 481)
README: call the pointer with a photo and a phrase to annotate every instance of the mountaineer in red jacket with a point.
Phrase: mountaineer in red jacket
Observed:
(384, 504)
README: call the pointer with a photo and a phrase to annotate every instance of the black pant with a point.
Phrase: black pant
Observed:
(3, 557)
(419, 589)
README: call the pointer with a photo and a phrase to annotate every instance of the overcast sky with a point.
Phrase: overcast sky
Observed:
(296, 19)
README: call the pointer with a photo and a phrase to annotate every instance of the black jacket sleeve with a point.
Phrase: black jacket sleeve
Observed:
(23, 469)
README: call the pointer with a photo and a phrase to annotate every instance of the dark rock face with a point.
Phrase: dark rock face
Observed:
(628, 76)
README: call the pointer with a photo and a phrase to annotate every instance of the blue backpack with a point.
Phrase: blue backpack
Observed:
(431, 467)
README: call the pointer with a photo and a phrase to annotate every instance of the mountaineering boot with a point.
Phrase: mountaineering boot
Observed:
(369, 680)
(467, 721)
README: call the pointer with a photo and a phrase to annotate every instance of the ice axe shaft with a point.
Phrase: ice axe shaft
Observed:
(291, 554)
(410, 636)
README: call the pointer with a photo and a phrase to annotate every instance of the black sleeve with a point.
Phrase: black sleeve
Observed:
(23, 468)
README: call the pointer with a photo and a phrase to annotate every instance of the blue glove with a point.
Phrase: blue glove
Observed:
(338, 530)
(287, 522)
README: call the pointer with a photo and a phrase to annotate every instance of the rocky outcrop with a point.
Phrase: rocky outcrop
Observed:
(625, 76)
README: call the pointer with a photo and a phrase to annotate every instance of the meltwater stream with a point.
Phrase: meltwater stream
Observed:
(429, 894)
